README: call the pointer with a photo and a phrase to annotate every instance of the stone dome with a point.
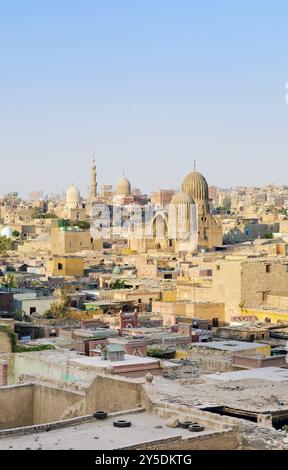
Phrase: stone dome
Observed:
(196, 186)
(73, 197)
(181, 198)
(6, 232)
(123, 187)
(116, 270)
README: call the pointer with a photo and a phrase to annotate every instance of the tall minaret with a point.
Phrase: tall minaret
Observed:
(93, 186)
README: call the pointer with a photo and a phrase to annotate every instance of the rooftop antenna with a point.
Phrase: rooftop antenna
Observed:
(194, 164)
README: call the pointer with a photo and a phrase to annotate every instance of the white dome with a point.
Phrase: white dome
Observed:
(7, 232)
(123, 187)
(73, 197)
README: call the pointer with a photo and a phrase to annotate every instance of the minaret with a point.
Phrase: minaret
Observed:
(93, 187)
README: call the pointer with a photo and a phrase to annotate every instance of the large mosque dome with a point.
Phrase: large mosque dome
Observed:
(196, 186)
(123, 187)
(73, 197)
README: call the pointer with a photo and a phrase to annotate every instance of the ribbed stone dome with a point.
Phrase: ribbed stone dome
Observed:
(123, 187)
(196, 186)
(181, 198)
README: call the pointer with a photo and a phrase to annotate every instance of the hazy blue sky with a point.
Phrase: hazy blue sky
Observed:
(145, 85)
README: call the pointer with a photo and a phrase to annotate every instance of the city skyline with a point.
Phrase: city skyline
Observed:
(147, 88)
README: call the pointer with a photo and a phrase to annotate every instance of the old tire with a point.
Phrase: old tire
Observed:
(196, 428)
(122, 423)
(186, 424)
(100, 415)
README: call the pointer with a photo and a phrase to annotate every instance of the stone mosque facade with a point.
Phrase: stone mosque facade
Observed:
(186, 225)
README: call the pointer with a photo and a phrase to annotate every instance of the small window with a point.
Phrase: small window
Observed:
(268, 268)
(32, 310)
(218, 267)
(60, 266)
(264, 296)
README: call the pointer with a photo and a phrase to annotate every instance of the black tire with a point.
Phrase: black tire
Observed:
(186, 424)
(196, 428)
(100, 415)
(122, 423)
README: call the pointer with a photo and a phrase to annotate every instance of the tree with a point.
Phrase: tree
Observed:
(117, 284)
(20, 315)
(82, 224)
(8, 282)
(226, 204)
(40, 214)
(268, 236)
(16, 234)
(5, 244)
(60, 310)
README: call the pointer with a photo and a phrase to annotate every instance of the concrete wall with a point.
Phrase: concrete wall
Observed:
(53, 404)
(16, 405)
(247, 362)
(113, 394)
(41, 304)
(29, 404)
(226, 440)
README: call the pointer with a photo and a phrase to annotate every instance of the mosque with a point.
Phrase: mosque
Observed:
(189, 213)
(186, 226)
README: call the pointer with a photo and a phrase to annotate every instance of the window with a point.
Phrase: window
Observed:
(268, 268)
(60, 266)
(218, 267)
(32, 310)
(264, 295)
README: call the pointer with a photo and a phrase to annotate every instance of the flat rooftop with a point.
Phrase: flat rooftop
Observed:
(274, 374)
(99, 435)
(230, 345)
(98, 362)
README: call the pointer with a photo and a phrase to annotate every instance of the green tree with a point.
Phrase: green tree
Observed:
(5, 244)
(8, 282)
(226, 204)
(16, 234)
(117, 284)
(40, 214)
(60, 310)
(82, 224)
